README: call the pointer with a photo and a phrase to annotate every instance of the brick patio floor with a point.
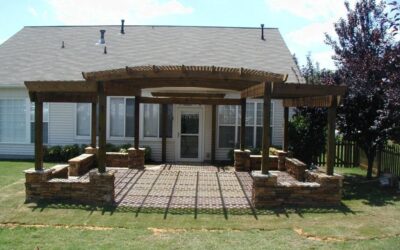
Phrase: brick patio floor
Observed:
(183, 186)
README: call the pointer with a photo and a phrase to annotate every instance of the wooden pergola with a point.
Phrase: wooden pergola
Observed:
(130, 81)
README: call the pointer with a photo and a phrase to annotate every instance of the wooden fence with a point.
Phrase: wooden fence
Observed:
(390, 159)
(347, 155)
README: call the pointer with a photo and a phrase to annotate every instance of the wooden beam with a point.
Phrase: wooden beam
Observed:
(213, 132)
(164, 116)
(266, 128)
(318, 101)
(121, 89)
(227, 84)
(255, 91)
(93, 142)
(64, 97)
(61, 86)
(137, 120)
(243, 124)
(188, 95)
(101, 154)
(199, 101)
(38, 136)
(290, 90)
(331, 137)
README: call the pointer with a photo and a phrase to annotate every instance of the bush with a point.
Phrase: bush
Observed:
(147, 154)
(307, 135)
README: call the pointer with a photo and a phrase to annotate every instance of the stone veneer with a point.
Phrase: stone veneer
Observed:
(134, 158)
(245, 162)
(319, 190)
(97, 190)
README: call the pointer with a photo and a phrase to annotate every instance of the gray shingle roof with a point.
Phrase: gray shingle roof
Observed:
(35, 53)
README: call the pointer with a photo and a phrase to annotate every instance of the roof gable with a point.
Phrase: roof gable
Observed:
(35, 53)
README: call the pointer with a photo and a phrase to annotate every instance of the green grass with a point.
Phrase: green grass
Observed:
(368, 219)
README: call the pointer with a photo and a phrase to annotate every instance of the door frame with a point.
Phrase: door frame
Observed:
(189, 108)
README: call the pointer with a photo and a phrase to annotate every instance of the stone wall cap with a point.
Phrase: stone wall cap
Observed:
(116, 153)
(257, 174)
(89, 147)
(256, 156)
(34, 171)
(80, 157)
(136, 149)
(106, 173)
(241, 151)
(324, 175)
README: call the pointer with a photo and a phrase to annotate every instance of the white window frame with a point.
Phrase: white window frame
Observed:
(27, 139)
(254, 126)
(120, 138)
(76, 125)
(158, 137)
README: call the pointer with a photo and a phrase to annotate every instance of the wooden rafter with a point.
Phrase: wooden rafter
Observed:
(187, 94)
(178, 71)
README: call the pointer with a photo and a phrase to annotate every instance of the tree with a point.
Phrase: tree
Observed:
(367, 56)
(307, 129)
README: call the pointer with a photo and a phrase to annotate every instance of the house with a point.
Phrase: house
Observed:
(64, 52)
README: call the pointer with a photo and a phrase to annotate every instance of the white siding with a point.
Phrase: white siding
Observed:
(62, 131)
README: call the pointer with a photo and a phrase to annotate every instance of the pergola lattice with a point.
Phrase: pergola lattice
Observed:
(130, 81)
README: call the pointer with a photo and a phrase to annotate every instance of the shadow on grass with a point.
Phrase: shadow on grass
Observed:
(225, 213)
(357, 187)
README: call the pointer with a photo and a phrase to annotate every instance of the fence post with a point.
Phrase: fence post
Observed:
(379, 162)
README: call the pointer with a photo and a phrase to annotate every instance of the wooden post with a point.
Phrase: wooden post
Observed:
(94, 125)
(101, 155)
(243, 124)
(164, 114)
(331, 137)
(379, 162)
(38, 135)
(285, 129)
(137, 120)
(266, 128)
(213, 132)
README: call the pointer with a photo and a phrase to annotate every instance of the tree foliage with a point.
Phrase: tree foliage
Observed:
(367, 55)
(307, 129)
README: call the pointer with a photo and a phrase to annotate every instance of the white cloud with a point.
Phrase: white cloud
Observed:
(310, 9)
(33, 11)
(324, 59)
(74, 12)
(312, 34)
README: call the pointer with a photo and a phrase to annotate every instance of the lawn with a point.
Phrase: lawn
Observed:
(368, 219)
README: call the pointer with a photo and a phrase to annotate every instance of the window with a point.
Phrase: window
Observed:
(152, 119)
(83, 111)
(227, 120)
(229, 125)
(122, 117)
(13, 120)
(45, 122)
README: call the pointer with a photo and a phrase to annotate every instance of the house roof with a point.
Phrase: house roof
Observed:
(35, 53)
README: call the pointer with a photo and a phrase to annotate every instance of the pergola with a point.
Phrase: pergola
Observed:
(130, 81)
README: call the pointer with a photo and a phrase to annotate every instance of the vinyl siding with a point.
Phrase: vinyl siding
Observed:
(62, 131)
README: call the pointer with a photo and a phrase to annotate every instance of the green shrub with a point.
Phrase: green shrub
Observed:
(147, 154)
(70, 151)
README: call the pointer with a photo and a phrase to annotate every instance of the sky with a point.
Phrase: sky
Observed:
(301, 22)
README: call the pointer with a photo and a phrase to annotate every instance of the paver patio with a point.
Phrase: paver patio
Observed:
(183, 186)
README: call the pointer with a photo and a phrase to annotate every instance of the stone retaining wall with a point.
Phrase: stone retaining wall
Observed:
(97, 190)
(295, 168)
(322, 190)
(134, 158)
(245, 162)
